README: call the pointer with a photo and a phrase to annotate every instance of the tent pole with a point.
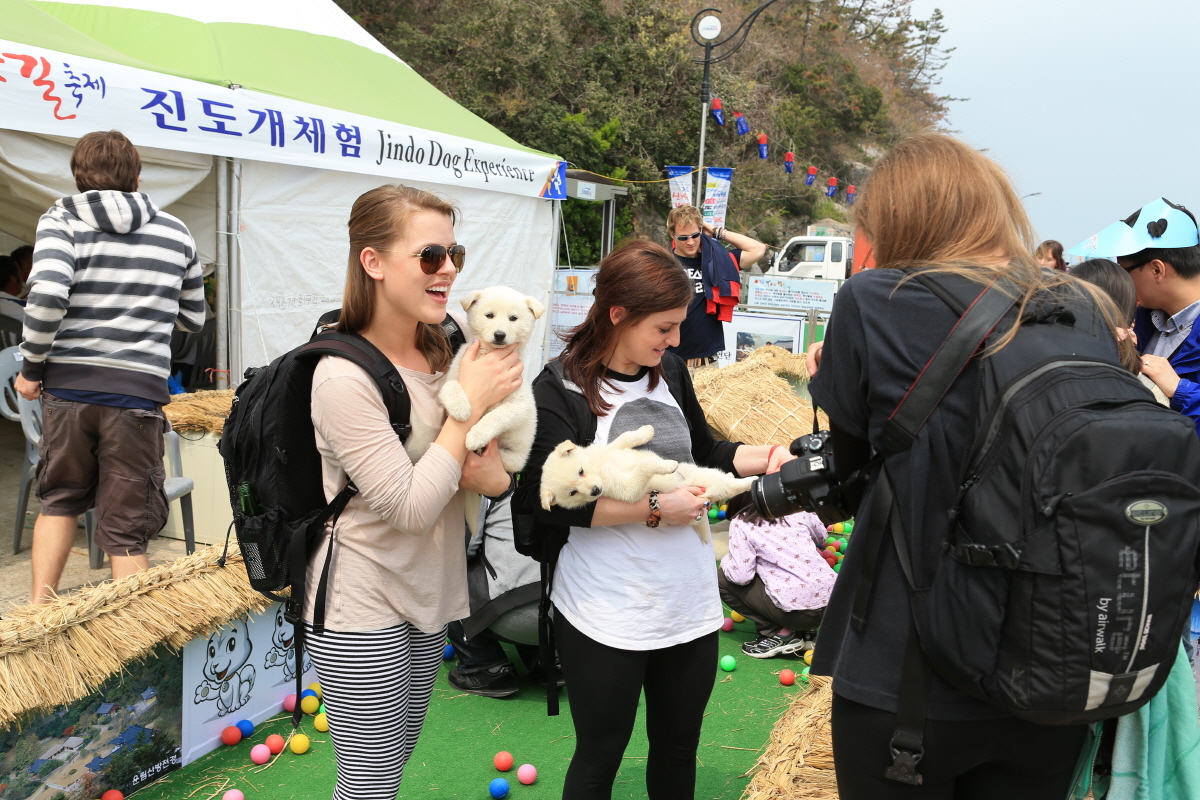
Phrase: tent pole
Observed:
(555, 212)
(222, 298)
(235, 270)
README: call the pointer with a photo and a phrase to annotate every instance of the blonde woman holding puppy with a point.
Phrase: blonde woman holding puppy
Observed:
(398, 572)
(635, 590)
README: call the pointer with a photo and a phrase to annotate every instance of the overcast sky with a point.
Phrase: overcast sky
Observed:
(1093, 103)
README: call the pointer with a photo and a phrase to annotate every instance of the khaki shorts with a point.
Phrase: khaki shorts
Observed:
(109, 459)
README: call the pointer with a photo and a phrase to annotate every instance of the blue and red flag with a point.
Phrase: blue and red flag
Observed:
(789, 161)
(717, 111)
(811, 176)
(850, 192)
(832, 189)
(762, 145)
(743, 127)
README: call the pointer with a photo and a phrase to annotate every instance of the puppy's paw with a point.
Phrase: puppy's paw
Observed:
(477, 439)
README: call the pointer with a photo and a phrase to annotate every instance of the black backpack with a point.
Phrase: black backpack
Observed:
(273, 468)
(1066, 579)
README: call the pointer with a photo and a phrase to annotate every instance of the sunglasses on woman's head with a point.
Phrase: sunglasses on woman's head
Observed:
(687, 236)
(434, 255)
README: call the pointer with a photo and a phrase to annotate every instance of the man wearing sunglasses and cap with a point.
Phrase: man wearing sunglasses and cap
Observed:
(715, 271)
(1159, 246)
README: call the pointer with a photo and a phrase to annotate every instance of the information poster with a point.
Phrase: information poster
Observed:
(571, 302)
(681, 185)
(749, 331)
(794, 294)
(716, 195)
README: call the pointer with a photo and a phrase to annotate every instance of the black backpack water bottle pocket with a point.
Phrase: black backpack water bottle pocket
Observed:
(264, 540)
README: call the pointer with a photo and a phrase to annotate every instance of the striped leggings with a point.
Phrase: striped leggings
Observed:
(376, 687)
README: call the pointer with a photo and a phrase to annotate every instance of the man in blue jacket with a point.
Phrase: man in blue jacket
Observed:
(1159, 246)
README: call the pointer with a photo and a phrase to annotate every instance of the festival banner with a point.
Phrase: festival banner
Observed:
(681, 185)
(47, 92)
(716, 195)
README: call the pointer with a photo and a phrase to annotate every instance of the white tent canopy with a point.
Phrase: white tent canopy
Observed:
(268, 208)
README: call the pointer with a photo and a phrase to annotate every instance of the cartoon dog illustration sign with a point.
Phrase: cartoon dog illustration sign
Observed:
(228, 678)
(283, 648)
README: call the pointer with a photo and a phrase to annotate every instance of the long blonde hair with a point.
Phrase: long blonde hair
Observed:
(376, 220)
(937, 203)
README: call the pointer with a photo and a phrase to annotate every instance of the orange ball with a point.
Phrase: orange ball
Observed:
(230, 736)
(275, 744)
(503, 761)
(787, 677)
(113, 794)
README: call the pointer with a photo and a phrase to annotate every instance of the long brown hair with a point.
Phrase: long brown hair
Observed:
(643, 278)
(1054, 249)
(376, 220)
(935, 202)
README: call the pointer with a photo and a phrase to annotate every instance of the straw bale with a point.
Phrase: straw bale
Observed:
(798, 761)
(200, 412)
(782, 362)
(59, 652)
(748, 402)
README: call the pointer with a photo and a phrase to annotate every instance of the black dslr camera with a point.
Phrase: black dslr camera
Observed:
(806, 484)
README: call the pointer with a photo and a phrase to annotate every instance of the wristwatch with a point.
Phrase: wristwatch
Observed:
(655, 512)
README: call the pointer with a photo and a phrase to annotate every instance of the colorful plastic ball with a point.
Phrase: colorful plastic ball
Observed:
(728, 663)
(310, 704)
(829, 540)
(503, 761)
(448, 652)
(112, 794)
(787, 677)
(275, 744)
(736, 617)
(713, 512)
(727, 625)
(527, 774)
(246, 727)
(321, 710)
(839, 527)
(260, 754)
(321, 722)
(289, 703)
(837, 567)
(309, 693)
(808, 657)
(230, 736)
(498, 788)
(721, 514)
(847, 527)
(316, 687)
(805, 669)
(299, 744)
(233, 794)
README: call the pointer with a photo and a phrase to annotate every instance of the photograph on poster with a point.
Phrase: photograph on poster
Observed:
(747, 332)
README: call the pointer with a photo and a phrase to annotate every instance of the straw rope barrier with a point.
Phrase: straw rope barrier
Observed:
(59, 652)
(798, 761)
(200, 412)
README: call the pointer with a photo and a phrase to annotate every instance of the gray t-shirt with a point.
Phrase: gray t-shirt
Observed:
(879, 338)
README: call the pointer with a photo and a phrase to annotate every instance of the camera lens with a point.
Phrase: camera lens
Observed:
(771, 500)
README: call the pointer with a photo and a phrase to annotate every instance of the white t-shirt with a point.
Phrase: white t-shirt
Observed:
(630, 586)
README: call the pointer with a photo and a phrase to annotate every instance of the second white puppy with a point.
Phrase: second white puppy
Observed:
(574, 476)
(499, 317)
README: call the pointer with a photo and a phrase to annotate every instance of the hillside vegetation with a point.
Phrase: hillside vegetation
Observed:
(612, 86)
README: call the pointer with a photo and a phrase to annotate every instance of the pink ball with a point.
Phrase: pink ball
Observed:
(527, 774)
(289, 703)
(233, 794)
(260, 754)
(727, 625)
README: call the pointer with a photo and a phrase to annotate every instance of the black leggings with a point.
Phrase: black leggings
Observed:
(604, 685)
(998, 759)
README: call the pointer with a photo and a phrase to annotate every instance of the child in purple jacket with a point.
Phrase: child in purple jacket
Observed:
(775, 576)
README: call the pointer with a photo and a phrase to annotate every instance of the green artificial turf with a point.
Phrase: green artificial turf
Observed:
(463, 732)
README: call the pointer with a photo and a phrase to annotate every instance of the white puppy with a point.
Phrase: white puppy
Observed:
(499, 317)
(574, 476)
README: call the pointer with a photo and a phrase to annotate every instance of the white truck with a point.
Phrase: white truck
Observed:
(814, 257)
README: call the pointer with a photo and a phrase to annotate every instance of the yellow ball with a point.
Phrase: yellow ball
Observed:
(299, 744)
(736, 617)
(839, 527)
(321, 723)
(310, 704)
(316, 687)
(808, 657)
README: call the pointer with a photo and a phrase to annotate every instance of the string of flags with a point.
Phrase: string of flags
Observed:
(789, 158)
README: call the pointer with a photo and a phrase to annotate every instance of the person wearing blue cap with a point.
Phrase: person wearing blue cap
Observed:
(1159, 246)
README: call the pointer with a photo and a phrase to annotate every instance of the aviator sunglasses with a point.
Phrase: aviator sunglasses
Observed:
(687, 236)
(434, 255)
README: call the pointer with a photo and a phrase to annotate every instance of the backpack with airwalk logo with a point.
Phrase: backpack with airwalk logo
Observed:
(273, 468)
(1072, 556)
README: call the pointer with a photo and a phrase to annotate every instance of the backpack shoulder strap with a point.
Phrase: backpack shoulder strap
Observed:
(356, 348)
(454, 333)
(974, 326)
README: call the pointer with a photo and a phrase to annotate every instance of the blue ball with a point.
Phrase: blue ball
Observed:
(498, 788)
(309, 693)
(246, 727)
(720, 515)
(448, 652)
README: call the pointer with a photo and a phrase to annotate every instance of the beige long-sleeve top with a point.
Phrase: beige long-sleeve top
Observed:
(398, 551)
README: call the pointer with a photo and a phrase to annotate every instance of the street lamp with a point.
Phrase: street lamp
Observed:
(1031, 194)
(706, 27)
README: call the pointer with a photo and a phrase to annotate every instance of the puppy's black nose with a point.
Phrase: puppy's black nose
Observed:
(596, 491)
(498, 336)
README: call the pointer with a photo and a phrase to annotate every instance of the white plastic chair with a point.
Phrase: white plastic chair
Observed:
(176, 486)
(10, 368)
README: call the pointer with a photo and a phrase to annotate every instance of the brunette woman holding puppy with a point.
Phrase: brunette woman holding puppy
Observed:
(398, 573)
(635, 590)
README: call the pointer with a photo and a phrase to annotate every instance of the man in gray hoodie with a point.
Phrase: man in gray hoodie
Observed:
(112, 277)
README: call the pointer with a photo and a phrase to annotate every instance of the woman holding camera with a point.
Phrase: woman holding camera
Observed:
(931, 202)
(635, 590)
